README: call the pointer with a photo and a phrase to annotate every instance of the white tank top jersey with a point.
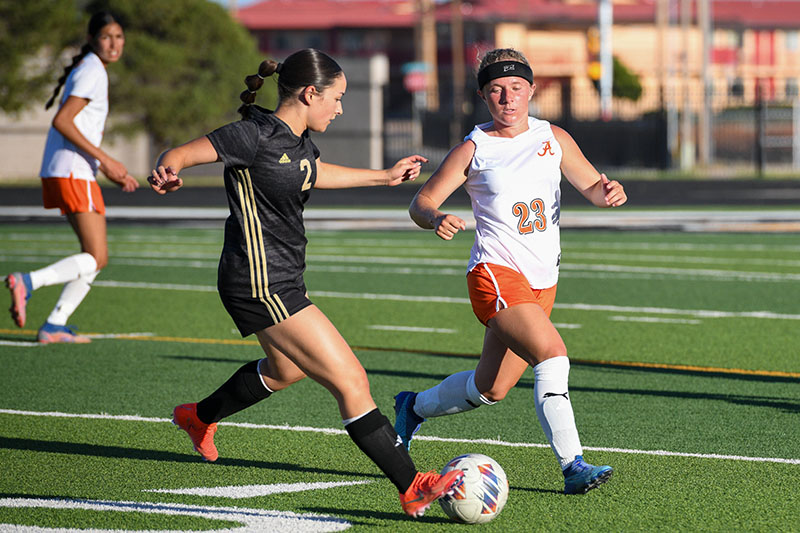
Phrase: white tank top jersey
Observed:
(61, 158)
(514, 184)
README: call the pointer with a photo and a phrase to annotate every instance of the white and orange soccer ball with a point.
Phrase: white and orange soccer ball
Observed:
(481, 495)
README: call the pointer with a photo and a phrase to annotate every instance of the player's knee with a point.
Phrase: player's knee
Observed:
(101, 259)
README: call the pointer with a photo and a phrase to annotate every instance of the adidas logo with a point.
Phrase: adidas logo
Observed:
(284, 159)
(398, 442)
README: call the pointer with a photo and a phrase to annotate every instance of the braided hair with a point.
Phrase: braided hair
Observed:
(98, 21)
(301, 69)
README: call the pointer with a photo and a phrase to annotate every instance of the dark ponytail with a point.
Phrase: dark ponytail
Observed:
(299, 70)
(98, 21)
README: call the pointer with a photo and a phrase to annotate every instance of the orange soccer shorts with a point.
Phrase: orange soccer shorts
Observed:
(72, 195)
(495, 287)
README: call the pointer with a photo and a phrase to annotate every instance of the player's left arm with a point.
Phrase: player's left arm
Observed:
(595, 187)
(164, 178)
(330, 176)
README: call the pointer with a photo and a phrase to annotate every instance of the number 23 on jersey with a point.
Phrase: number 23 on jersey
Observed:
(531, 217)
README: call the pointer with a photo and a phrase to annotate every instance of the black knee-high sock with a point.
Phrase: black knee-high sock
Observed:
(243, 389)
(376, 437)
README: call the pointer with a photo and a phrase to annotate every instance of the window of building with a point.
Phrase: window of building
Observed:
(792, 38)
(792, 90)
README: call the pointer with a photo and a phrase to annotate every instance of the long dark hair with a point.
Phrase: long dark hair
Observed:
(301, 69)
(99, 20)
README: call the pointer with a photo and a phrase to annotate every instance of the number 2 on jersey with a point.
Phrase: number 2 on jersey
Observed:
(306, 165)
(536, 212)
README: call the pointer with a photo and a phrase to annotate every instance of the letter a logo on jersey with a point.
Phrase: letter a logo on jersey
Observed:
(284, 159)
(546, 149)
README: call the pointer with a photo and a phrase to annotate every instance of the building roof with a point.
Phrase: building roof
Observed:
(328, 14)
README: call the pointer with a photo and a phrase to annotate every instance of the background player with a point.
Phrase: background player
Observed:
(72, 157)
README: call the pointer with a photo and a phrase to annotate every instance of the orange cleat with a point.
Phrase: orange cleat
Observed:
(427, 488)
(20, 292)
(185, 417)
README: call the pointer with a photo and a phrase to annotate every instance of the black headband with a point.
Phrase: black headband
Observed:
(502, 69)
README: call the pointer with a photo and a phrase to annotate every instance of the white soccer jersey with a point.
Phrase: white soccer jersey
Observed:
(61, 158)
(514, 184)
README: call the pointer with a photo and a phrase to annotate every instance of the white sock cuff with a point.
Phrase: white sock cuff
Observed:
(258, 369)
(552, 368)
(472, 391)
(351, 420)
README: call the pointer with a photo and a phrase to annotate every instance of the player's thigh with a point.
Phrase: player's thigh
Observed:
(499, 368)
(90, 227)
(317, 348)
(277, 370)
(528, 332)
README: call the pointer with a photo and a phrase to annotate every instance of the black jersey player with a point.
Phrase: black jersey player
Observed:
(271, 165)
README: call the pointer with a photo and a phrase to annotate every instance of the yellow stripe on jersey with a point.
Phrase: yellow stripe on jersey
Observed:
(246, 218)
(256, 252)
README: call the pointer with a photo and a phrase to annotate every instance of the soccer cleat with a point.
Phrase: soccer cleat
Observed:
(51, 334)
(185, 417)
(581, 477)
(406, 421)
(20, 286)
(427, 488)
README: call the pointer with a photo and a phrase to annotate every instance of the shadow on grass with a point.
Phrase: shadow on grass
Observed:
(120, 452)
(358, 516)
(699, 372)
(196, 359)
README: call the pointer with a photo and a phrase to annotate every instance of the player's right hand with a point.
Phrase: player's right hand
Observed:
(164, 180)
(446, 226)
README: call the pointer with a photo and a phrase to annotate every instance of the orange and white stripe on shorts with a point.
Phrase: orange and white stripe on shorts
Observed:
(495, 287)
(72, 195)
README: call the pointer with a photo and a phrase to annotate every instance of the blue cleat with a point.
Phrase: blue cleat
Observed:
(51, 333)
(406, 422)
(581, 477)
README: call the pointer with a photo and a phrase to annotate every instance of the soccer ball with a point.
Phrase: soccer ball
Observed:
(482, 494)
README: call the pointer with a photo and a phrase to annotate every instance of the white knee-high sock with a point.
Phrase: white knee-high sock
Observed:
(555, 410)
(455, 394)
(71, 297)
(64, 270)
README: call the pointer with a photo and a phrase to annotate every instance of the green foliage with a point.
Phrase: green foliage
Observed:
(626, 83)
(183, 68)
(33, 36)
(180, 76)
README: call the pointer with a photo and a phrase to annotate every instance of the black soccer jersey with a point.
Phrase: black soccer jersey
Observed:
(269, 172)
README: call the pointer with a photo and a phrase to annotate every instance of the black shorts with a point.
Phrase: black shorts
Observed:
(254, 314)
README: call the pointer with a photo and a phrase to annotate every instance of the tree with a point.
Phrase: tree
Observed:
(33, 36)
(183, 68)
(626, 83)
(180, 76)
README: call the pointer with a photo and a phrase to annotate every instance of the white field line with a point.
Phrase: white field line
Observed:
(24, 344)
(653, 319)
(411, 329)
(253, 491)
(120, 335)
(248, 520)
(332, 431)
(702, 313)
(426, 239)
(449, 267)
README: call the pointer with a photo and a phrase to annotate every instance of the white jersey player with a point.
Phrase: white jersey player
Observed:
(511, 167)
